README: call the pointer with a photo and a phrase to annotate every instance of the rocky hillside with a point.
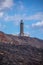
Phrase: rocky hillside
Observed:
(20, 55)
(17, 50)
(18, 40)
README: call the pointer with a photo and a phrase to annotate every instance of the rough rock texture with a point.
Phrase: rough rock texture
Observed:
(20, 55)
(20, 40)
(20, 50)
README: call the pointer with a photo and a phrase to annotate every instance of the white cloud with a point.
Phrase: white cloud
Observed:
(1, 14)
(2, 26)
(38, 24)
(37, 16)
(17, 17)
(27, 26)
(20, 5)
(6, 4)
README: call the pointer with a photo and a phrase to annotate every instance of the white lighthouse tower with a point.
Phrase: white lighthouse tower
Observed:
(21, 28)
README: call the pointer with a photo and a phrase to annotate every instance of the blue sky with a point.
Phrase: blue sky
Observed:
(30, 11)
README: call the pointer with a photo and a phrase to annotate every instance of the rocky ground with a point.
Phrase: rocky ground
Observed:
(20, 55)
(17, 50)
(20, 40)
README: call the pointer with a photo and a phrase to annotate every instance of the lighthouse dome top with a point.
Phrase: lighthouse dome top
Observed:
(21, 21)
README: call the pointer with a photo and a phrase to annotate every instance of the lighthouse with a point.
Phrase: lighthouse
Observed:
(21, 28)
